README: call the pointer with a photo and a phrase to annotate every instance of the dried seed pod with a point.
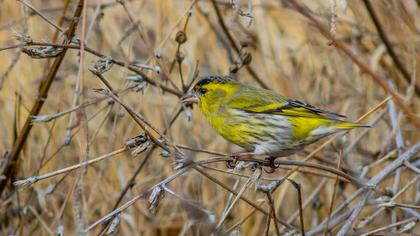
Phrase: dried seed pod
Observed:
(42, 118)
(181, 37)
(114, 224)
(138, 144)
(268, 188)
(42, 51)
(155, 197)
(407, 227)
(165, 154)
(23, 38)
(103, 65)
(139, 82)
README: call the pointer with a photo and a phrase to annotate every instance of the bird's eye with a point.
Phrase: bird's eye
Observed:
(202, 91)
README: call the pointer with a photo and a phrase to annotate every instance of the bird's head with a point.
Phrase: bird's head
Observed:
(211, 92)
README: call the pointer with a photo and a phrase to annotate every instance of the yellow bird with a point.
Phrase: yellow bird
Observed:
(262, 121)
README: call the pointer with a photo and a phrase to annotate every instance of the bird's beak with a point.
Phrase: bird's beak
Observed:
(189, 98)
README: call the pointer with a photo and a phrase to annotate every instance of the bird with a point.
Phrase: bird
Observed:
(261, 121)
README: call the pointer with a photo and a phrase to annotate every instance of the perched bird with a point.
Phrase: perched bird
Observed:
(262, 121)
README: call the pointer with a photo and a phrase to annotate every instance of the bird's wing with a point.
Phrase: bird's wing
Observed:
(253, 100)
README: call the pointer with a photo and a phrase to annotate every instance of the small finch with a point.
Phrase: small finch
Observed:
(262, 121)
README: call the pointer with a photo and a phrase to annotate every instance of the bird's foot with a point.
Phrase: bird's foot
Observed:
(271, 164)
(231, 164)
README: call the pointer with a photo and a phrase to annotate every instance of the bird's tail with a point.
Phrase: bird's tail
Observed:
(346, 125)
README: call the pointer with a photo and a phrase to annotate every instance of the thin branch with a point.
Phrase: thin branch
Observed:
(132, 68)
(233, 43)
(389, 48)
(41, 15)
(34, 179)
(362, 66)
(375, 231)
(9, 167)
(340, 156)
(375, 180)
(235, 200)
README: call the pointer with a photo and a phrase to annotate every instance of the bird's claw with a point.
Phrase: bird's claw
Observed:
(272, 165)
(231, 164)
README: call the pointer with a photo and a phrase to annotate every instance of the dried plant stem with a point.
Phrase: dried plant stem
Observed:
(273, 212)
(267, 225)
(242, 197)
(117, 211)
(242, 220)
(340, 155)
(375, 231)
(9, 167)
(137, 118)
(34, 179)
(235, 46)
(131, 182)
(382, 34)
(121, 63)
(282, 167)
(232, 204)
(368, 219)
(362, 66)
(41, 220)
(375, 180)
(308, 200)
(41, 15)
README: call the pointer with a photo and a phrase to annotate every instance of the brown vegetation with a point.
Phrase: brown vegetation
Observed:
(94, 138)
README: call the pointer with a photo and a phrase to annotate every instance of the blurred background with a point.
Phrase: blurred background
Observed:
(152, 51)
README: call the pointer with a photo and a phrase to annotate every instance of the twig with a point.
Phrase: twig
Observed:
(389, 48)
(362, 66)
(412, 167)
(44, 87)
(137, 118)
(267, 225)
(131, 182)
(132, 68)
(42, 15)
(117, 211)
(298, 188)
(369, 218)
(308, 200)
(235, 45)
(400, 145)
(340, 156)
(242, 220)
(375, 231)
(34, 179)
(243, 198)
(375, 180)
(273, 212)
(235, 200)
(355, 213)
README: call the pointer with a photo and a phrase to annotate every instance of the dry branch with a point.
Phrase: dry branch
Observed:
(8, 169)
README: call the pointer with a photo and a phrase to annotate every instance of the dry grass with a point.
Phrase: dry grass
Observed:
(289, 55)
